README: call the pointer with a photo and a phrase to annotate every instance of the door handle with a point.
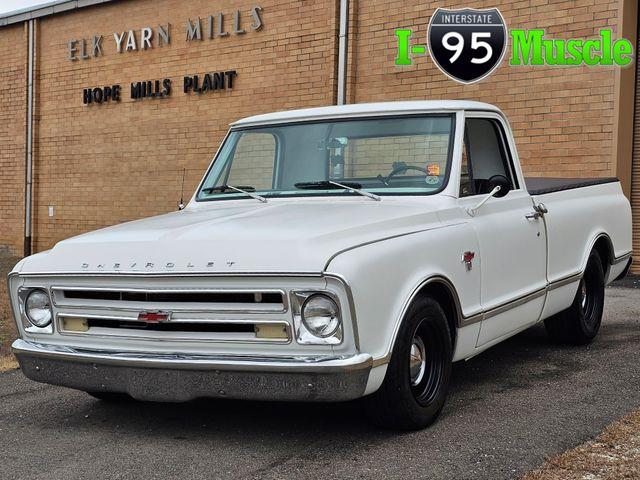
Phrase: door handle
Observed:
(539, 210)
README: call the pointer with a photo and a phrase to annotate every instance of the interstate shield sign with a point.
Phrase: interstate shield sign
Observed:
(467, 44)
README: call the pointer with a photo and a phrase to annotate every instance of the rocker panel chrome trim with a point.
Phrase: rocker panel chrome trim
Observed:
(513, 303)
(621, 258)
(564, 281)
(464, 321)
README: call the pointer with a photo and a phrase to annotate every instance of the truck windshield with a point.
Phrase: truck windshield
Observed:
(384, 156)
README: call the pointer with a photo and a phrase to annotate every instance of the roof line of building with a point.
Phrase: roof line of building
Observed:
(43, 10)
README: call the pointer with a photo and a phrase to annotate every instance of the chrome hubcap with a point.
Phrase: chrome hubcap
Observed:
(583, 294)
(417, 361)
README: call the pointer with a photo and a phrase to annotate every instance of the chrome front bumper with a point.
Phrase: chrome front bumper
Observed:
(178, 378)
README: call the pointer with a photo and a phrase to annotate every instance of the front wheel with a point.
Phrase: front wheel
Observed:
(580, 323)
(417, 380)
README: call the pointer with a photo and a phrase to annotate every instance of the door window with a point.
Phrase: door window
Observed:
(485, 154)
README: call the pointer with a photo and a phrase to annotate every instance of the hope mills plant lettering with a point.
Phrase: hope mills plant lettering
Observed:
(209, 82)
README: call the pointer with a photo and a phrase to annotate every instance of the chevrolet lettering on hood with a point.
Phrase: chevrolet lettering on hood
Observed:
(328, 254)
(151, 266)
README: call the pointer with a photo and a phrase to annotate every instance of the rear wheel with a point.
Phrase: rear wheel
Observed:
(580, 323)
(417, 379)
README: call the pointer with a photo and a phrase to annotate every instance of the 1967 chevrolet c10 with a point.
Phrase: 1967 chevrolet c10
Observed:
(328, 254)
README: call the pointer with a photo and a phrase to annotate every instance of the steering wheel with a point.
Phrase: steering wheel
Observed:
(399, 167)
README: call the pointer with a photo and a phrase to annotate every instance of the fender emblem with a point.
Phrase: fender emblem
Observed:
(467, 259)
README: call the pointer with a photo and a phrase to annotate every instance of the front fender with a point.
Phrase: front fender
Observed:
(384, 276)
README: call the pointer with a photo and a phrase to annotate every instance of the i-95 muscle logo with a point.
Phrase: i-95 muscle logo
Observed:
(468, 44)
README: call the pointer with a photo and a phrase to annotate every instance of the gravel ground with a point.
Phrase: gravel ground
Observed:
(614, 455)
(510, 408)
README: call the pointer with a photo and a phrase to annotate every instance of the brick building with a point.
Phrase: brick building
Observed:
(101, 157)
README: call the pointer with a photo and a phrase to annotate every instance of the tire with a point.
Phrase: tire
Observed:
(111, 397)
(411, 397)
(579, 324)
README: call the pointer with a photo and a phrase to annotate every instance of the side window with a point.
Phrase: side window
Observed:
(487, 154)
(254, 161)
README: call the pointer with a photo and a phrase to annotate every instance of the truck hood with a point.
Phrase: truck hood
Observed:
(239, 236)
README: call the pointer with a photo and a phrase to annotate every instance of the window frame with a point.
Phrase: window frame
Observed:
(504, 144)
(465, 147)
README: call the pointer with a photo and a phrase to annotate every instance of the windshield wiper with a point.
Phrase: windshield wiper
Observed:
(239, 189)
(330, 184)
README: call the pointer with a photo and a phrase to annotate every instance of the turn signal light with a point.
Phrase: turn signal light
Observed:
(268, 330)
(73, 324)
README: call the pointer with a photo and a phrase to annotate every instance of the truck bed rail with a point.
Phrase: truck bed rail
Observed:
(541, 185)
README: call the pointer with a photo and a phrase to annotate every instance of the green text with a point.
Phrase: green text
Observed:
(531, 48)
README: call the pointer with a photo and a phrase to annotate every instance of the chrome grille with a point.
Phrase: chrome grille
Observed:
(174, 299)
(186, 314)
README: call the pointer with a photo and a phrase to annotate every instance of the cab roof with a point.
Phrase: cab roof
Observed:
(363, 110)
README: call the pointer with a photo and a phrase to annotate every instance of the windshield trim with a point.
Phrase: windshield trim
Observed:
(450, 114)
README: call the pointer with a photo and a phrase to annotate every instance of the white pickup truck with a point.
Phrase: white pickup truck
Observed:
(328, 254)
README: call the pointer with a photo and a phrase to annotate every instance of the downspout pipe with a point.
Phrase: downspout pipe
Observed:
(343, 45)
(28, 196)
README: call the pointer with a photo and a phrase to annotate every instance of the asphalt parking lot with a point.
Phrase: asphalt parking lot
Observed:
(510, 408)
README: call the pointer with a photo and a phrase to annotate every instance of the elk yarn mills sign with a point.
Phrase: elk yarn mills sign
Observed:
(210, 27)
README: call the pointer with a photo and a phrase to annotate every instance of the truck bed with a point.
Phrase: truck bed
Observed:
(542, 185)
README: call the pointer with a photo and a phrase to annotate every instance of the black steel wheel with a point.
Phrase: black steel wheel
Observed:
(417, 379)
(580, 323)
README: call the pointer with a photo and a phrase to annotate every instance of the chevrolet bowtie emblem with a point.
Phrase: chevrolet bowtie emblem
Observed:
(154, 317)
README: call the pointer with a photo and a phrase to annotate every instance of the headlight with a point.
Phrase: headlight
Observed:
(320, 315)
(38, 308)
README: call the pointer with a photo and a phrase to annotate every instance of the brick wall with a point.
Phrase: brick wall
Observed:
(105, 164)
(562, 117)
(12, 137)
